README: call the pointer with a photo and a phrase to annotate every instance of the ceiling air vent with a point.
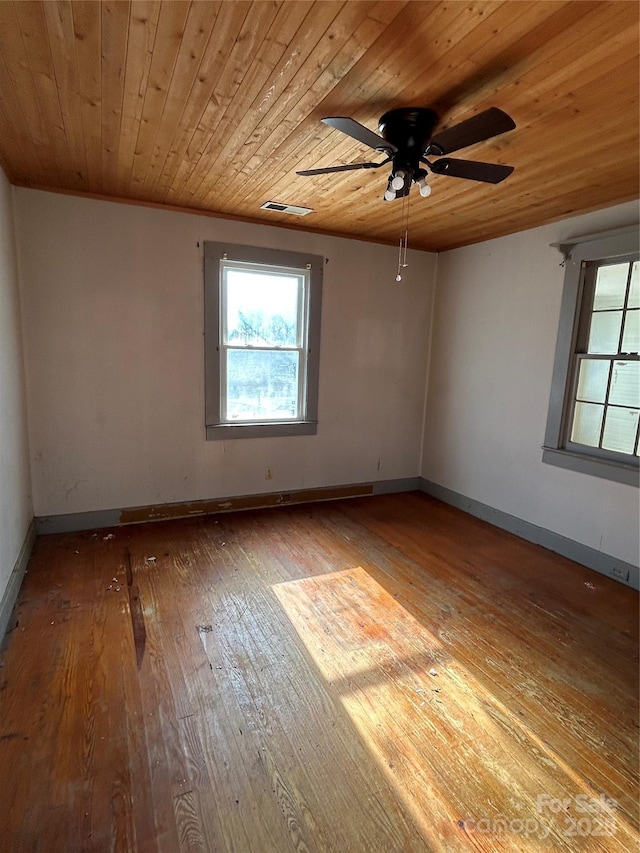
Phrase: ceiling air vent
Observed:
(286, 208)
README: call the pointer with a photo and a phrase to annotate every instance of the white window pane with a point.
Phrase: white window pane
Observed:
(631, 333)
(262, 385)
(604, 334)
(634, 291)
(625, 383)
(261, 309)
(620, 429)
(587, 423)
(611, 287)
(592, 380)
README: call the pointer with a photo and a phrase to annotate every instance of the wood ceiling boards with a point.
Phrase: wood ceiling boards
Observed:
(213, 106)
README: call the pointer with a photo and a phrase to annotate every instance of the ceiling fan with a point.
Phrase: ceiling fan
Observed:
(407, 139)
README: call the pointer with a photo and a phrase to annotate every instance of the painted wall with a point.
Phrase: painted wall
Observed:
(113, 305)
(15, 488)
(494, 333)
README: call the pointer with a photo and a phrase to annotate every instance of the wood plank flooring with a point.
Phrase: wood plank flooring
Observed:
(377, 674)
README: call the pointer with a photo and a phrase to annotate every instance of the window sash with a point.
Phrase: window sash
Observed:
(299, 414)
(588, 449)
(580, 353)
(301, 337)
(267, 271)
(587, 311)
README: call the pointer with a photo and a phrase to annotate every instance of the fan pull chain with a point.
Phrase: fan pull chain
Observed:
(398, 275)
(404, 237)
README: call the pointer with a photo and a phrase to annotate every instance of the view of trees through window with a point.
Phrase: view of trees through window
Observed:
(263, 337)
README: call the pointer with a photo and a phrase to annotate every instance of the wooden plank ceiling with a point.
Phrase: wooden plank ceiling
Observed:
(213, 106)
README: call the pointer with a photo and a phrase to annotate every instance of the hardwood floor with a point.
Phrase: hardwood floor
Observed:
(379, 674)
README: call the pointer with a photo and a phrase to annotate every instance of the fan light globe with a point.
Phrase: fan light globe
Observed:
(425, 190)
(389, 195)
(398, 180)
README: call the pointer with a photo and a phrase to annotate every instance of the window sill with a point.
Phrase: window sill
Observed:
(608, 470)
(265, 430)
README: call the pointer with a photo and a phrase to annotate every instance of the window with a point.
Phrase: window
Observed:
(262, 335)
(594, 414)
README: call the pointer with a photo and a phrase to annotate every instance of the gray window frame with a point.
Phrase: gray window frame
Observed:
(557, 449)
(214, 253)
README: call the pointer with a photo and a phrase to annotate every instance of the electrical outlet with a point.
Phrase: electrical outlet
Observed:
(621, 573)
(268, 474)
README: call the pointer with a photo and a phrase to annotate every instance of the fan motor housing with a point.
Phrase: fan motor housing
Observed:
(409, 129)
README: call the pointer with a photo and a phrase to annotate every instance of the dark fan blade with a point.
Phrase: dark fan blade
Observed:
(485, 125)
(358, 131)
(348, 168)
(472, 170)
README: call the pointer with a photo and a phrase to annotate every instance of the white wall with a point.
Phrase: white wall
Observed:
(494, 333)
(113, 305)
(15, 499)
(112, 302)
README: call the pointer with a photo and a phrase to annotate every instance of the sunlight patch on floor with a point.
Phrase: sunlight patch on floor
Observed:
(462, 762)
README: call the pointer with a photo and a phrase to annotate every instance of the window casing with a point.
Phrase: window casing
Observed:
(594, 409)
(262, 335)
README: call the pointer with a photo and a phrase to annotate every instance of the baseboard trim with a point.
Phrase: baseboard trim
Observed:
(392, 487)
(16, 577)
(605, 564)
(73, 522)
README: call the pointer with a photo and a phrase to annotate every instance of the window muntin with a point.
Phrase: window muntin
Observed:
(604, 411)
(263, 343)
